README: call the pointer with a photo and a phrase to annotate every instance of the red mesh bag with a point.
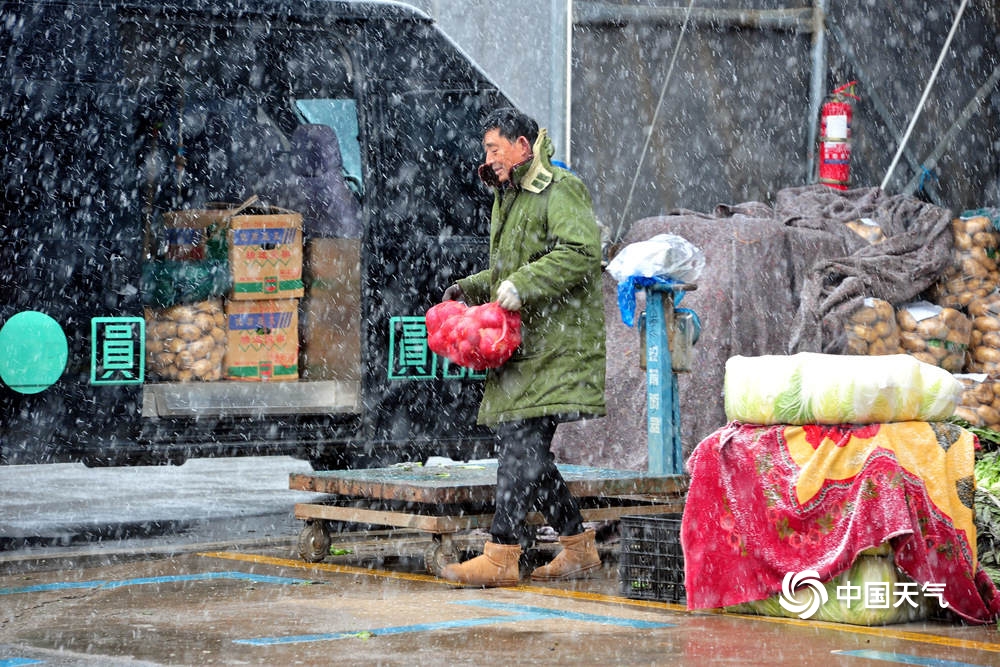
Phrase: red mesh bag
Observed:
(477, 337)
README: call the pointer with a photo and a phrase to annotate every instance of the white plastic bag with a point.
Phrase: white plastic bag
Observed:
(664, 255)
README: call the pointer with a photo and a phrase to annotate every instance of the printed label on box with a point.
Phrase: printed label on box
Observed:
(265, 256)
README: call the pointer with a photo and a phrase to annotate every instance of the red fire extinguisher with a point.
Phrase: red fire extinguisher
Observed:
(835, 138)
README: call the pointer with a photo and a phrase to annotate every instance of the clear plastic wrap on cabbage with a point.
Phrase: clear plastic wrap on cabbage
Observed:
(812, 388)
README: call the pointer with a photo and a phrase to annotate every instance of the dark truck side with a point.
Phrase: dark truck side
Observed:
(117, 114)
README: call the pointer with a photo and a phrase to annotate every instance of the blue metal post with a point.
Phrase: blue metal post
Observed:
(663, 423)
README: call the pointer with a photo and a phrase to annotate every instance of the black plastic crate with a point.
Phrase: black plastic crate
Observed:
(651, 563)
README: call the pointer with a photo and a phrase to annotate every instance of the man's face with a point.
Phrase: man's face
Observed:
(502, 154)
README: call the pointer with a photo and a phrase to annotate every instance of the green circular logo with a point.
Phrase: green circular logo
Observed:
(33, 352)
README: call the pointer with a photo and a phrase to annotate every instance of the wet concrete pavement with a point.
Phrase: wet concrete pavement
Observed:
(221, 594)
(68, 504)
(262, 606)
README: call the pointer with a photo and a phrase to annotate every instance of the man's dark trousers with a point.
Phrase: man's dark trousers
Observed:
(528, 479)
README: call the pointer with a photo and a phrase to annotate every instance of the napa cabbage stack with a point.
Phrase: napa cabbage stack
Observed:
(813, 388)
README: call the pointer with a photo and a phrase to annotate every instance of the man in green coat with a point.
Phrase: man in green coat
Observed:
(545, 261)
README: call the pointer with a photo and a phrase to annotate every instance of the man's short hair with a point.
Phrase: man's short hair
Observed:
(512, 124)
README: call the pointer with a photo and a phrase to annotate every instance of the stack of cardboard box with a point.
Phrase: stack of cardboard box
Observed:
(262, 313)
(280, 284)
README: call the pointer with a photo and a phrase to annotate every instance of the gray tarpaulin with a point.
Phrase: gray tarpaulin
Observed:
(914, 254)
(777, 280)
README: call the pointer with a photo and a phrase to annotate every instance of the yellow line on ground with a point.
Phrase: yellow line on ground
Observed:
(883, 631)
(880, 631)
(330, 567)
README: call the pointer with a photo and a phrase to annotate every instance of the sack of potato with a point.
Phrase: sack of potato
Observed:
(872, 329)
(934, 334)
(980, 402)
(984, 342)
(186, 342)
(973, 273)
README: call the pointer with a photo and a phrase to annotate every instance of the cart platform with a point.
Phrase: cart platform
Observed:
(443, 500)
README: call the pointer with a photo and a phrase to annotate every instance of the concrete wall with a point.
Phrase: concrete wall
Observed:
(737, 119)
(521, 45)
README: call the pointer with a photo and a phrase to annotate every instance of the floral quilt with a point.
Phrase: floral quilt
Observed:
(768, 500)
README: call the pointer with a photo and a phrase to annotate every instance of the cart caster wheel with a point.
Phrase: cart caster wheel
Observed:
(438, 555)
(314, 542)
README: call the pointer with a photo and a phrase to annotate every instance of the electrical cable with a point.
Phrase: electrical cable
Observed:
(652, 124)
(923, 98)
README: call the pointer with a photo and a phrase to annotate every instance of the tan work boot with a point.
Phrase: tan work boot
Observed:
(578, 557)
(498, 566)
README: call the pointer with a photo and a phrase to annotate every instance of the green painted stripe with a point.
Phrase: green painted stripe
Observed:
(254, 371)
(258, 287)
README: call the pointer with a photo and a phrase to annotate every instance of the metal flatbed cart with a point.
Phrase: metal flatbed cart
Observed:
(443, 500)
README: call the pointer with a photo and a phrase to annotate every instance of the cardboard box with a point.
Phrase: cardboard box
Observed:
(262, 340)
(265, 254)
(186, 232)
(331, 310)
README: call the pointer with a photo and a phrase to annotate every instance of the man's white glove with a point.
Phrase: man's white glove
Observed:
(507, 296)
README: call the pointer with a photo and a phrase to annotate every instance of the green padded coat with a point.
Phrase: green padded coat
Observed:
(545, 240)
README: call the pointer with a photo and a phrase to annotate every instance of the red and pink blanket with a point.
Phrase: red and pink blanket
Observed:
(768, 500)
